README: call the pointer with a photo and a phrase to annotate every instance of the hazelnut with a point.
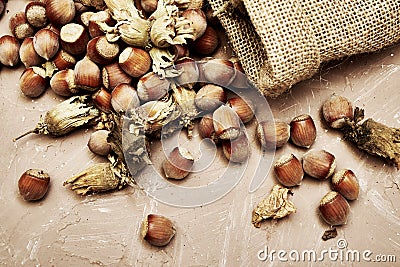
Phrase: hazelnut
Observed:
(226, 123)
(288, 170)
(178, 163)
(319, 164)
(33, 184)
(272, 134)
(303, 131)
(345, 182)
(334, 208)
(336, 110)
(157, 230)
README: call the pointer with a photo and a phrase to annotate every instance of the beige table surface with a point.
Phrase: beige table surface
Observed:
(68, 230)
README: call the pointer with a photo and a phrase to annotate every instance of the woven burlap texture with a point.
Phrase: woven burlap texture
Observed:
(282, 42)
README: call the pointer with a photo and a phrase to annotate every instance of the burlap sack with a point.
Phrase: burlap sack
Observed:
(282, 42)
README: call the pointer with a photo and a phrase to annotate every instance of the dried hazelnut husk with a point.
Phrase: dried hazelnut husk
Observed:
(346, 183)
(101, 51)
(152, 87)
(303, 131)
(319, 164)
(87, 75)
(33, 184)
(272, 134)
(288, 170)
(60, 12)
(206, 127)
(46, 43)
(20, 27)
(198, 19)
(236, 150)
(189, 71)
(33, 81)
(9, 47)
(135, 61)
(178, 164)
(98, 143)
(63, 60)
(226, 123)
(35, 13)
(244, 108)
(63, 83)
(336, 110)
(218, 71)
(93, 26)
(124, 96)
(210, 97)
(157, 230)
(206, 44)
(74, 38)
(334, 208)
(28, 55)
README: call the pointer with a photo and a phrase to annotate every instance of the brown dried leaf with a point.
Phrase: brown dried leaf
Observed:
(275, 206)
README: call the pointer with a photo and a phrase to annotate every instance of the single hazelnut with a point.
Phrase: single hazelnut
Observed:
(319, 164)
(243, 108)
(98, 143)
(178, 163)
(346, 183)
(33, 184)
(336, 110)
(236, 150)
(334, 208)
(272, 134)
(226, 123)
(303, 131)
(157, 230)
(210, 97)
(288, 170)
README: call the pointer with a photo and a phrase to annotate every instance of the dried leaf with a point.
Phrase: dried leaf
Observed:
(275, 206)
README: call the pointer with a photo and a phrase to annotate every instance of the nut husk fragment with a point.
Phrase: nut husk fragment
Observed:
(275, 206)
(66, 116)
(373, 137)
(97, 178)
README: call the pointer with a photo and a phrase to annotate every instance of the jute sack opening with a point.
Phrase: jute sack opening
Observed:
(282, 42)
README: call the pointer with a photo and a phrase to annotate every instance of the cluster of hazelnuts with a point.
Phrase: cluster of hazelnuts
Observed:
(318, 164)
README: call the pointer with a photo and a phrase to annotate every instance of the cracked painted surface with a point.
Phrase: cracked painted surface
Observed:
(65, 229)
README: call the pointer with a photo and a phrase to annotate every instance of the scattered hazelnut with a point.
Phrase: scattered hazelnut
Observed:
(33, 184)
(345, 182)
(319, 164)
(288, 170)
(157, 230)
(178, 163)
(303, 131)
(272, 134)
(336, 110)
(334, 208)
